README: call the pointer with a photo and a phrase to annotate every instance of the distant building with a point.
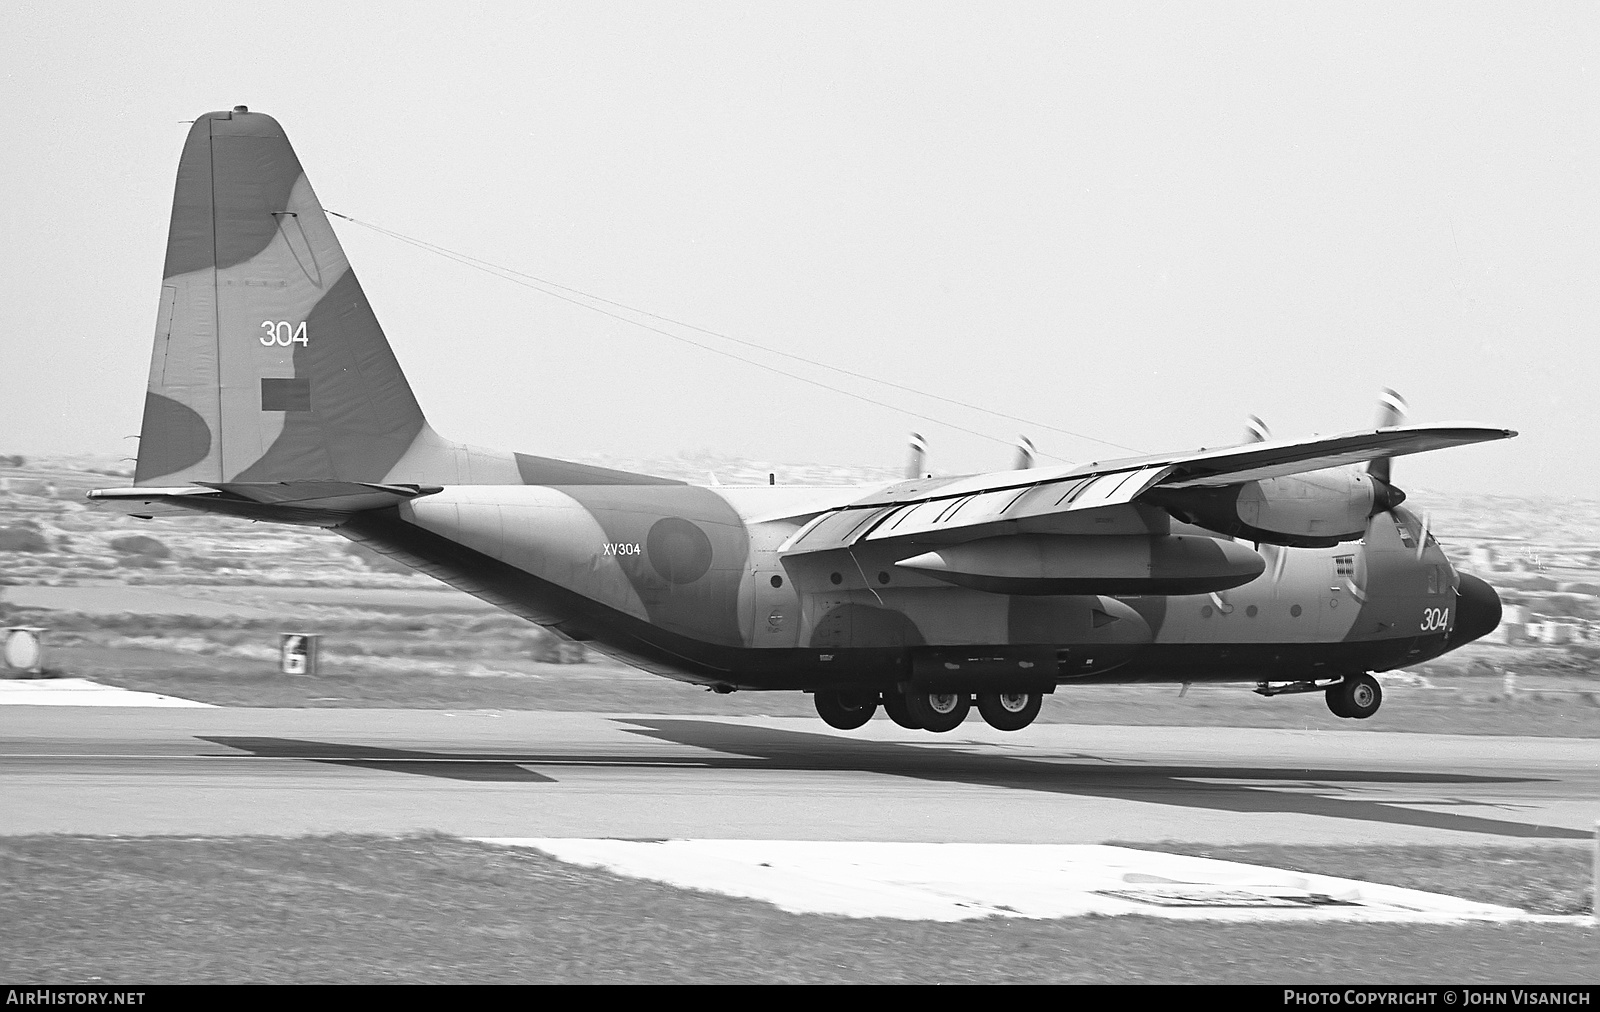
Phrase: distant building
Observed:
(1482, 558)
(1552, 632)
(1513, 627)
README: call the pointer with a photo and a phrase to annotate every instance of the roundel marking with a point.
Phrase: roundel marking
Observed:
(678, 550)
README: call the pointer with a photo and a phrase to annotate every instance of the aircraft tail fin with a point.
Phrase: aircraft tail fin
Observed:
(269, 364)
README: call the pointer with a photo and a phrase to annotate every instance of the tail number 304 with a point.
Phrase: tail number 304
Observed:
(283, 333)
(1435, 619)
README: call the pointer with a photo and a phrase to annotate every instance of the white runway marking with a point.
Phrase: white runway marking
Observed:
(80, 692)
(953, 882)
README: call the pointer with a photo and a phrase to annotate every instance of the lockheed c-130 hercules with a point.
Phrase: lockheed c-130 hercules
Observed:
(274, 396)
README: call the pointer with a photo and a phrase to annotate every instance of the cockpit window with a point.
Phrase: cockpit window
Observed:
(1404, 531)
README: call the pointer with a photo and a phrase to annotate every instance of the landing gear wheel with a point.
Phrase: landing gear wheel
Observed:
(938, 711)
(845, 709)
(1357, 696)
(1009, 711)
(1336, 701)
(894, 704)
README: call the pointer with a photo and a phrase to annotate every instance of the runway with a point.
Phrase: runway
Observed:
(143, 771)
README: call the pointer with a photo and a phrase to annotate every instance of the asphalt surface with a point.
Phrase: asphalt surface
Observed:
(142, 771)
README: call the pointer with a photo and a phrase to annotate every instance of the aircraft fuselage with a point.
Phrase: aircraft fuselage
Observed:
(690, 582)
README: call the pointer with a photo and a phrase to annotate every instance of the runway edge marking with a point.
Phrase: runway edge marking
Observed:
(965, 881)
(82, 692)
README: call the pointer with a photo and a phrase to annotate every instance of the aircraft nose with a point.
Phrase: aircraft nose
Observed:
(1477, 610)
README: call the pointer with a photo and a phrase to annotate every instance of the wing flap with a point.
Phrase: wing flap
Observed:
(975, 509)
(949, 513)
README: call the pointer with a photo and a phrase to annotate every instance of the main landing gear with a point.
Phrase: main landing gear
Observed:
(1009, 711)
(848, 709)
(845, 709)
(938, 711)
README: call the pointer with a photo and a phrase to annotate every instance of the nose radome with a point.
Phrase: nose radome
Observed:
(1477, 611)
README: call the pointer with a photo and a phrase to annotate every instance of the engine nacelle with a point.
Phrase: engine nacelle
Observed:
(1317, 509)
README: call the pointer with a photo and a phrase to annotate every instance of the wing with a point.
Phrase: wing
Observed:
(929, 506)
(1255, 461)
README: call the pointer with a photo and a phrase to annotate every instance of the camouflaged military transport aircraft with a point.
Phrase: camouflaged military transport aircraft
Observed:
(274, 396)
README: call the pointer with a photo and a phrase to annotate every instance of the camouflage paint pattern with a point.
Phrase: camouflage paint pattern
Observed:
(270, 367)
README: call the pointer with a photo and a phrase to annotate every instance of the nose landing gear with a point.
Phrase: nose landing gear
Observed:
(1351, 696)
(1356, 696)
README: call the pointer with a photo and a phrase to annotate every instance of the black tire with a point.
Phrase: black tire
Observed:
(894, 704)
(1335, 696)
(938, 711)
(1009, 711)
(845, 709)
(1358, 696)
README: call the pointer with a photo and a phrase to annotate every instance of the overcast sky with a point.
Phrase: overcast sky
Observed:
(1135, 222)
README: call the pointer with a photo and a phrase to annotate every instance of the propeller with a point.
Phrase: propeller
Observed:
(1256, 431)
(1391, 411)
(919, 455)
(1024, 458)
(1280, 560)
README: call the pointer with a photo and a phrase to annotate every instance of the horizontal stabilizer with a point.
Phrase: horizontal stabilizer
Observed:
(154, 502)
(337, 496)
(318, 503)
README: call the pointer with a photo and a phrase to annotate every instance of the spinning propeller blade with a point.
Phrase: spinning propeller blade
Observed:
(918, 457)
(1391, 411)
(1024, 458)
